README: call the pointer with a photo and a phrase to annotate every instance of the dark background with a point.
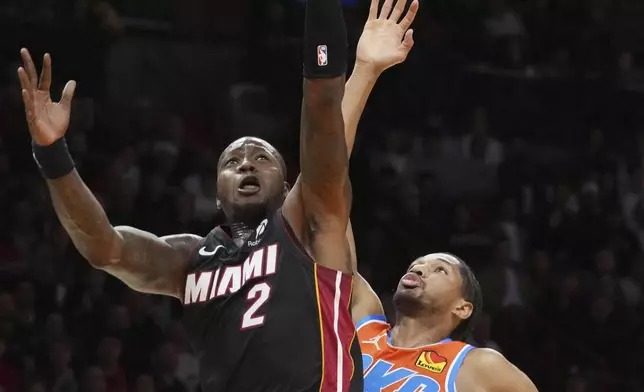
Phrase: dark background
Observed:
(511, 136)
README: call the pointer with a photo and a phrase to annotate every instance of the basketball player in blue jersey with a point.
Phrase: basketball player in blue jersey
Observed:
(436, 303)
(266, 296)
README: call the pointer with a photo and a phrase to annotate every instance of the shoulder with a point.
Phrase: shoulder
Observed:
(494, 373)
(146, 240)
(182, 240)
(372, 320)
(371, 326)
(183, 243)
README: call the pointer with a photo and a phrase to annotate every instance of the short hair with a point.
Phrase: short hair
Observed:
(472, 293)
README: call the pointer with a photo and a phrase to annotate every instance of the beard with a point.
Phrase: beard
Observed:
(251, 214)
(407, 303)
(248, 214)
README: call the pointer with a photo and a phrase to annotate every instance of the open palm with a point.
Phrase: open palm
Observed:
(385, 41)
(48, 120)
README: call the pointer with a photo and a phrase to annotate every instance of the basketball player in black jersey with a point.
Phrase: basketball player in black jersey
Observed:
(260, 313)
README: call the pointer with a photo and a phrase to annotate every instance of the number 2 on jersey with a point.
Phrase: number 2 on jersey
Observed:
(259, 295)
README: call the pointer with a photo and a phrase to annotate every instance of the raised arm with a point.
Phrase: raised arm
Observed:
(142, 260)
(318, 206)
(384, 43)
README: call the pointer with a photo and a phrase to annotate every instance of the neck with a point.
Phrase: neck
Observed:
(414, 332)
(240, 232)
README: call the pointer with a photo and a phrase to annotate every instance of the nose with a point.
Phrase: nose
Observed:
(417, 271)
(246, 166)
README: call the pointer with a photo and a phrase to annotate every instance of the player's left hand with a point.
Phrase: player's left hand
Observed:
(385, 41)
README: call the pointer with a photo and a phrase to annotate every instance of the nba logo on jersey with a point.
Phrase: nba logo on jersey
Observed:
(431, 361)
(322, 56)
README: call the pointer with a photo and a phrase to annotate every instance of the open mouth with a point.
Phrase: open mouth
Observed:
(249, 186)
(411, 281)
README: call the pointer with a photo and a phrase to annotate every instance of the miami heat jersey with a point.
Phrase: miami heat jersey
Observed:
(265, 317)
(387, 368)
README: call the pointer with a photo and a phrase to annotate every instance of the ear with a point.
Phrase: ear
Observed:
(463, 309)
(287, 189)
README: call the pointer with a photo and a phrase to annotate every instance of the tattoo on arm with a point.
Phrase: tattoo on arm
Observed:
(142, 260)
(151, 264)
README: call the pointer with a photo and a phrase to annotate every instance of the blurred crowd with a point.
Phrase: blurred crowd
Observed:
(512, 137)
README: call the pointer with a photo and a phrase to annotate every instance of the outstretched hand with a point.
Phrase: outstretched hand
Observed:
(386, 39)
(48, 121)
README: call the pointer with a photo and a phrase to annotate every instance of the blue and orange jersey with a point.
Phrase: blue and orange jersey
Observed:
(387, 368)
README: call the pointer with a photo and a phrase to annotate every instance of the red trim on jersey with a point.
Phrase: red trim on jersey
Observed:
(333, 289)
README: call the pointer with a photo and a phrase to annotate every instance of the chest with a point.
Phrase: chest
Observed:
(222, 271)
(432, 368)
(389, 369)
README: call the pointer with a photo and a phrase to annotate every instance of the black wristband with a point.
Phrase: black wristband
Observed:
(54, 160)
(325, 40)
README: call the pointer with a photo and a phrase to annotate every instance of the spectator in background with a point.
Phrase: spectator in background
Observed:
(94, 380)
(505, 30)
(108, 357)
(478, 145)
(509, 226)
(501, 282)
(144, 383)
(36, 386)
(61, 376)
(53, 331)
(187, 364)
(164, 365)
(540, 278)
(633, 283)
(503, 21)
(482, 333)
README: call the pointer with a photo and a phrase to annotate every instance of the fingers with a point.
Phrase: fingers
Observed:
(68, 94)
(45, 74)
(373, 9)
(29, 105)
(409, 16)
(398, 10)
(29, 66)
(408, 40)
(386, 9)
(24, 79)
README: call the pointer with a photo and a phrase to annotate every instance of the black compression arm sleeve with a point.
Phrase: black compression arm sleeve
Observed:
(325, 40)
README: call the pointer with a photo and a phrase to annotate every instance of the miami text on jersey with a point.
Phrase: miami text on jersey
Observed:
(202, 286)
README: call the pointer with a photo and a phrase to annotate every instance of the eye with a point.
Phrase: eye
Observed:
(232, 161)
(262, 157)
(442, 270)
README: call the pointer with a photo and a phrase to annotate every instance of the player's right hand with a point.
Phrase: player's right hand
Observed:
(48, 121)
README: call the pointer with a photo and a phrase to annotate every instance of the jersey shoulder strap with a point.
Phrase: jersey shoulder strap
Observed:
(372, 326)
